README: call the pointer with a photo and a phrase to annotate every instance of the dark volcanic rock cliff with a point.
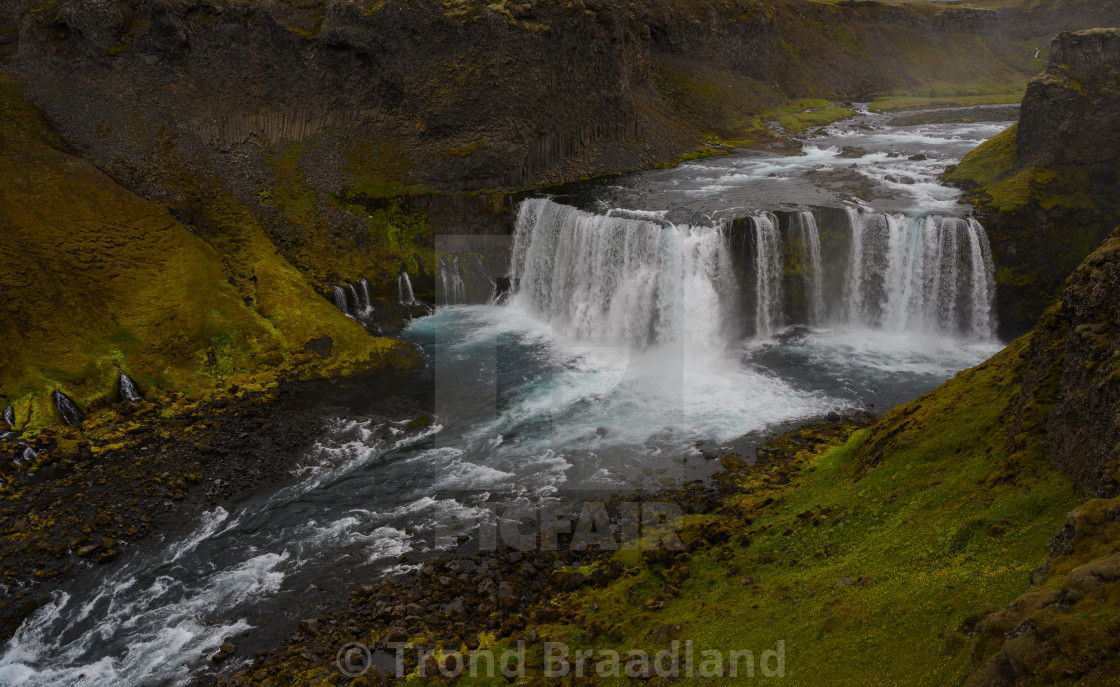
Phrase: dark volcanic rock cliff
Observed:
(1071, 112)
(472, 96)
(1047, 190)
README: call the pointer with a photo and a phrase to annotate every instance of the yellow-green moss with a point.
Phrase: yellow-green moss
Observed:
(801, 121)
(990, 160)
(103, 278)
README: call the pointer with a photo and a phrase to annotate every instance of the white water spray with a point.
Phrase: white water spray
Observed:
(404, 289)
(622, 281)
(768, 275)
(812, 271)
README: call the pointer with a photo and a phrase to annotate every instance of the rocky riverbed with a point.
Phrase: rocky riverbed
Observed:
(133, 478)
(473, 599)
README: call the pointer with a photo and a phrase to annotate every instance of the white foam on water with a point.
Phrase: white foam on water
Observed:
(161, 634)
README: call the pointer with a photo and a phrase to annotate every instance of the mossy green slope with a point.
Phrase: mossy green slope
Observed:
(873, 560)
(95, 277)
(924, 514)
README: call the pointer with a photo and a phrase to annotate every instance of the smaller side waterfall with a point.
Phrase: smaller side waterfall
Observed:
(768, 275)
(10, 415)
(66, 408)
(355, 299)
(454, 290)
(28, 454)
(363, 289)
(812, 272)
(340, 299)
(404, 289)
(127, 389)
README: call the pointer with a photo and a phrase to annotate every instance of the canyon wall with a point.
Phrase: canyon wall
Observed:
(1047, 189)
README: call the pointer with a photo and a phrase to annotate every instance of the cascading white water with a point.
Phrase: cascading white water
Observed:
(595, 276)
(70, 413)
(768, 275)
(355, 299)
(367, 304)
(340, 299)
(919, 274)
(128, 389)
(812, 269)
(981, 322)
(454, 290)
(622, 280)
(404, 289)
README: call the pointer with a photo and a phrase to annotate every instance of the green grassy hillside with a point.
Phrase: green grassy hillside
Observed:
(94, 277)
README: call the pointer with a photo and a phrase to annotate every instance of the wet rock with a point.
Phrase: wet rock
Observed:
(420, 422)
(224, 651)
(86, 550)
(396, 634)
(321, 346)
(309, 626)
(852, 152)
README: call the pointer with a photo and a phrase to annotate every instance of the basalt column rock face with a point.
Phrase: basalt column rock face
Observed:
(476, 96)
(1083, 428)
(1071, 111)
(1047, 190)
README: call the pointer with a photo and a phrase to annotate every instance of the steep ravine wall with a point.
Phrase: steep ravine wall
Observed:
(1047, 190)
(348, 134)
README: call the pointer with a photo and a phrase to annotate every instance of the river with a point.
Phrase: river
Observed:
(656, 320)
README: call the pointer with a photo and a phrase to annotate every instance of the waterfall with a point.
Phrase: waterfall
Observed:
(10, 415)
(127, 388)
(768, 275)
(454, 290)
(853, 282)
(621, 280)
(812, 271)
(404, 289)
(367, 304)
(982, 319)
(70, 413)
(646, 281)
(340, 299)
(355, 299)
(28, 454)
(929, 274)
